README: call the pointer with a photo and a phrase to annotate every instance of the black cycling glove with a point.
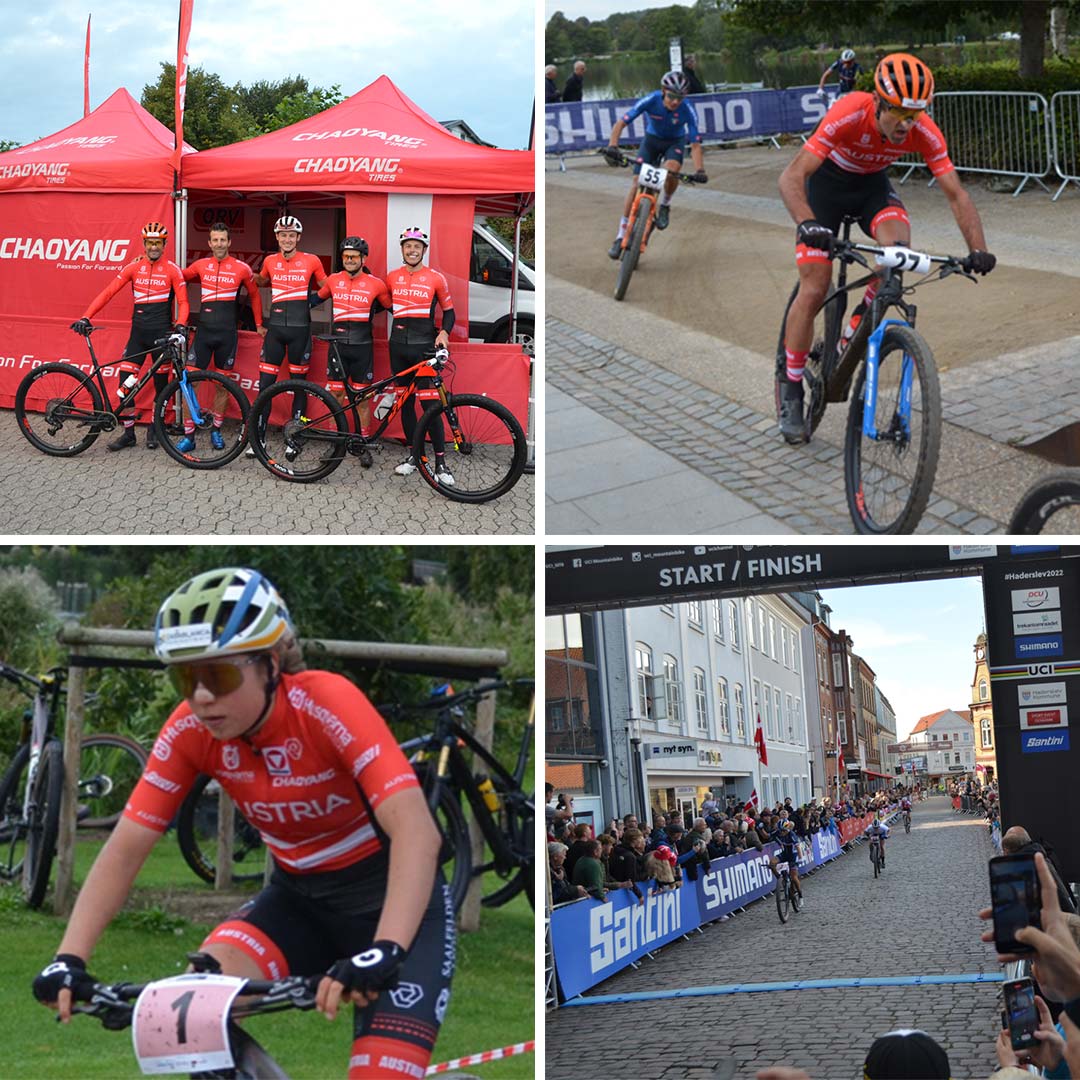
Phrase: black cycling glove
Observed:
(374, 969)
(81, 326)
(66, 971)
(180, 328)
(981, 262)
(701, 177)
(813, 234)
(611, 155)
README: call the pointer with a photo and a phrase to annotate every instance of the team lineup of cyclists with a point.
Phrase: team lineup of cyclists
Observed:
(841, 171)
(298, 283)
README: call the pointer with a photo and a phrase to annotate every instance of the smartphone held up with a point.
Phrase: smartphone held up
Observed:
(1015, 898)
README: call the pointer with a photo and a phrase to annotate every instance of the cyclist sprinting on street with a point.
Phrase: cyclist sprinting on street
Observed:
(841, 170)
(878, 830)
(220, 278)
(670, 123)
(357, 295)
(846, 69)
(155, 283)
(356, 890)
(786, 837)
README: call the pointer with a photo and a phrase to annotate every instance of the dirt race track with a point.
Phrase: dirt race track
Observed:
(723, 270)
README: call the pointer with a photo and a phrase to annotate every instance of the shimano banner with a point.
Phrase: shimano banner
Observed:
(740, 114)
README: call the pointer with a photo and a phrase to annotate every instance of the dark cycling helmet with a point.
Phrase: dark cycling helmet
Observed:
(676, 82)
(220, 613)
(903, 80)
(413, 232)
(155, 231)
(847, 56)
(354, 243)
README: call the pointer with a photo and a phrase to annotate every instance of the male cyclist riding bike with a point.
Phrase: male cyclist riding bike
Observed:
(670, 123)
(785, 836)
(842, 170)
(877, 831)
(847, 70)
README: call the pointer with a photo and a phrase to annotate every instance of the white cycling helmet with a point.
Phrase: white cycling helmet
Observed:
(220, 613)
(413, 232)
(287, 223)
(847, 56)
(676, 82)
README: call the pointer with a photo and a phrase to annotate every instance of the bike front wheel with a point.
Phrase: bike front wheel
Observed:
(307, 441)
(206, 389)
(455, 855)
(43, 823)
(109, 770)
(197, 831)
(796, 899)
(888, 479)
(1051, 506)
(517, 827)
(783, 897)
(628, 262)
(12, 821)
(486, 451)
(875, 858)
(59, 410)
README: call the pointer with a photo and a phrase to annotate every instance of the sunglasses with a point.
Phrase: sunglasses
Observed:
(905, 114)
(672, 97)
(219, 677)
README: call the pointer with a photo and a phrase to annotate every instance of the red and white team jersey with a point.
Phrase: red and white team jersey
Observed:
(308, 780)
(416, 294)
(353, 296)
(848, 136)
(289, 280)
(219, 282)
(153, 285)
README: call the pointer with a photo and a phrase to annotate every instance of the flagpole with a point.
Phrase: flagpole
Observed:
(86, 71)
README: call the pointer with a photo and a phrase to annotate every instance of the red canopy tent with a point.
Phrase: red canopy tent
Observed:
(71, 208)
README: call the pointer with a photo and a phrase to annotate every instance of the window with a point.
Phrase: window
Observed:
(984, 691)
(841, 726)
(837, 670)
(750, 636)
(673, 690)
(795, 652)
(643, 665)
(766, 714)
(967, 736)
(733, 625)
(783, 646)
(790, 718)
(722, 719)
(701, 705)
(800, 729)
(761, 627)
(778, 712)
(572, 712)
(766, 792)
(718, 620)
(987, 733)
(772, 636)
(693, 613)
(755, 703)
(668, 609)
(740, 713)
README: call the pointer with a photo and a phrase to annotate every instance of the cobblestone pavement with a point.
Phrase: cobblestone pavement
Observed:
(917, 919)
(138, 491)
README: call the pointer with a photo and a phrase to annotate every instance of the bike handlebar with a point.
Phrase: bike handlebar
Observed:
(618, 157)
(396, 710)
(848, 250)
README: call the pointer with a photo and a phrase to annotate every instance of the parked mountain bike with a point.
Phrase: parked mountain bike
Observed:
(178, 1022)
(787, 896)
(894, 422)
(875, 854)
(197, 832)
(639, 228)
(62, 409)
(1050, 506)
(486, 450)
(31, 788)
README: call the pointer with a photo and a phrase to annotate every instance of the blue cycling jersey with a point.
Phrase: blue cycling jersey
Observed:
(663, 123)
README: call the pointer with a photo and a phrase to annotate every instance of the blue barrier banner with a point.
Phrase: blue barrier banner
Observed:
(826, 846)
(733, 882)
(739, 114)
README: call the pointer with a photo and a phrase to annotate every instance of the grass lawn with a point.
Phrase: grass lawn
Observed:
(492, 1003)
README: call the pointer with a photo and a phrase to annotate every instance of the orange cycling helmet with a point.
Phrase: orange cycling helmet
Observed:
(155, 231)
(903, 80)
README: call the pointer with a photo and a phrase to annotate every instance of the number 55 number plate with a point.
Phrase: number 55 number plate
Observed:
(179, 1024)
(651, 177)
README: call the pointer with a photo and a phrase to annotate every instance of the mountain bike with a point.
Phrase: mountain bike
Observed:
(907, 821)
(62, 409)
(875, 854)
(893, 432)
(31, 788)
(197, 831)
(486, 450)
(639, 228)
(503, 811)
(787, 896)
(178, 1021)
(1050, 506)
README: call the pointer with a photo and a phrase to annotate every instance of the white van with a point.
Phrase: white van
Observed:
(489, 290)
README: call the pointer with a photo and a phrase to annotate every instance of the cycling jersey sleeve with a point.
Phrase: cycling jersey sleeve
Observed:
(636, 110)
(176, 279)
(931, 144)
(689, 115)
(248, 278)
(192, 272)
(110, 290)
(324, 290)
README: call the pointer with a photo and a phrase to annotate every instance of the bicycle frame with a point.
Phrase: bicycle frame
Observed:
(41, 724)
(873, 359)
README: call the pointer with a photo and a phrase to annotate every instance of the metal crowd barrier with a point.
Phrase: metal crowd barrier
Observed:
(1065, 129)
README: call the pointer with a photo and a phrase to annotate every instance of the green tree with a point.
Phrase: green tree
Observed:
(8, 144)
(261, 98)
(300, 105)
(478, 573)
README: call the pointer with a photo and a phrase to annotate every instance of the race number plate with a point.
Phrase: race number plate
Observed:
(781, 867)
(179, 1024)
(903, 258)
(651, 177)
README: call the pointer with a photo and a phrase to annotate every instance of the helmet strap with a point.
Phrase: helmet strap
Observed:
(272, 680)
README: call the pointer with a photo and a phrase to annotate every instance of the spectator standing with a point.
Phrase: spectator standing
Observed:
(589, 871)
(572, 91)
(690, 71)
(562, 891)
(581, 837)
(551, 89)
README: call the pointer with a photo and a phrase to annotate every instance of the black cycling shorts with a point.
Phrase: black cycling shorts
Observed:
(833, 193)
(359, 361)
(291, 341)
(218, 342)
(655, 150)
(142, 341)
(407, 356)
(318, 919)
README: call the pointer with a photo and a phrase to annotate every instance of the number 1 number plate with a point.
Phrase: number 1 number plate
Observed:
(651, 177)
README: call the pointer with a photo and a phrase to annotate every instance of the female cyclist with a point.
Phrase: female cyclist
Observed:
(311, 764)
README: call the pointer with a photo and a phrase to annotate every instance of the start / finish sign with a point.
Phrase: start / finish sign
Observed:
(1033, 627)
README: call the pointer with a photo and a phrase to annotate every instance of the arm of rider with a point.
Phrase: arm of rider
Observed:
(697, 155)
(793, 184)
(414, 852)
(103, 894)
(967, 218)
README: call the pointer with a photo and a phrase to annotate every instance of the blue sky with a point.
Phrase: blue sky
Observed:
(472, 62)
(918, 637)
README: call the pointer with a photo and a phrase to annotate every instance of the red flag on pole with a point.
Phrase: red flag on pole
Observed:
(839, 754)
(86, 72)
(751, 803)
(759, 742)
(186, 7)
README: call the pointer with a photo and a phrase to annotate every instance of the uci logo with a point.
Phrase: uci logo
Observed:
(1040, 669)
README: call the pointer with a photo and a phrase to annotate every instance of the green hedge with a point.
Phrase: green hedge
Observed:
(1058, 75)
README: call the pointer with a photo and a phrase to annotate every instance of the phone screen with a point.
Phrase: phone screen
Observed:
(1014, 895)
(1022, 1015)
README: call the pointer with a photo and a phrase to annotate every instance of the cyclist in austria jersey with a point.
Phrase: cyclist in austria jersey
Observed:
(155, 282)
(842, 170)
(220, 277)
(356, 891)
(670, 122)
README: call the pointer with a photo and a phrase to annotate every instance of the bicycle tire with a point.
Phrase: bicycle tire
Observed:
(59, 387)
(632, 251)
(796, 899)
(316, 458)
(12, 825)
(1058, 496)
(121, 760)
(814, 382)
(519, 829)
(486, 451)
(233, 431)
(875, 858)
(455, 856)
(907, 825)
(196, 832)
(888, 482)
(783, 899)
(43, 823)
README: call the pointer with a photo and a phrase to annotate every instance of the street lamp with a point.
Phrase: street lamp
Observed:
(633, 732)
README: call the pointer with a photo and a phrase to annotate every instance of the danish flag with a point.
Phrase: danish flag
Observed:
(751, 803)
(759, 741)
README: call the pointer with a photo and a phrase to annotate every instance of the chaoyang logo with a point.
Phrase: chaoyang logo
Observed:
(362, 133)
(62, 249)
(55, 172)
(373, 166)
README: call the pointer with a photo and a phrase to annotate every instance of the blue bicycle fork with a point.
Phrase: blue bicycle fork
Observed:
(190, 400)
(873, 361)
